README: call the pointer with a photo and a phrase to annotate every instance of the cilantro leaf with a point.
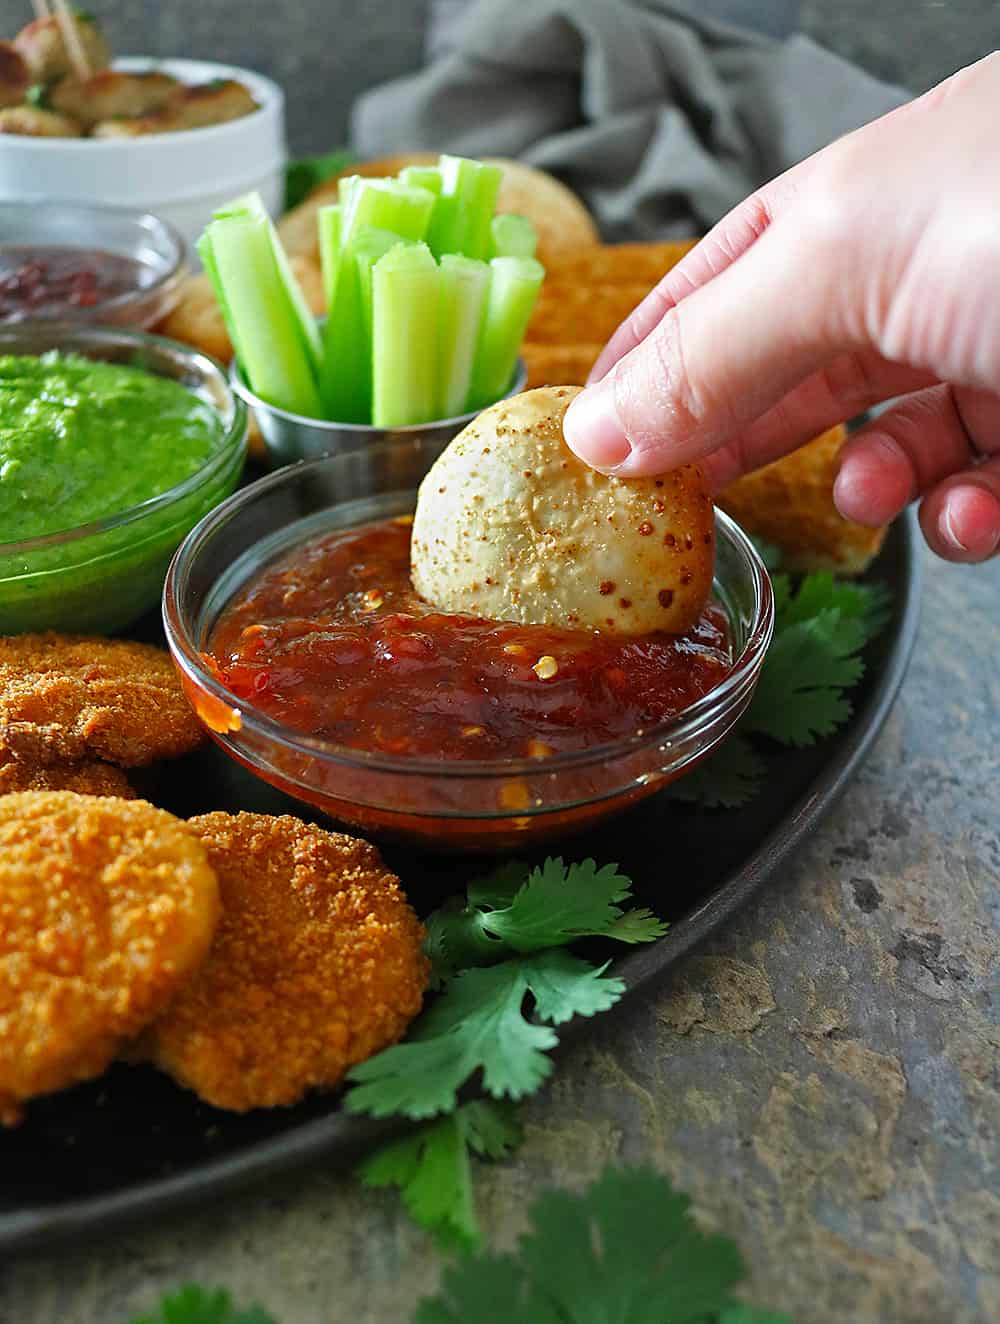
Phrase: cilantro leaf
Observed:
(302, 176)
(800, 694)
(478, 1024)
(551, 906)
(197, 1305)
(432, 1169)
(869, 604)
(727, 779)
(490, 1287)
(626, 1250)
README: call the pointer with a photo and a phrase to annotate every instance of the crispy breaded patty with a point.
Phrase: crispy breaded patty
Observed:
(84, 778)
(67, 697)
(317, 965)
(106, 907)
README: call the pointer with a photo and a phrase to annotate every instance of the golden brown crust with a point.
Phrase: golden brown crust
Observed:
(619, 264)
(512, 526)
(106, 906)
(69, 697)
(559, 365)
(569, 313)
(790, 503)
(317, 965)
(84, 778)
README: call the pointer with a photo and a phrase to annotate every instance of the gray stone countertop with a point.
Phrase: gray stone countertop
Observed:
(823, 1077)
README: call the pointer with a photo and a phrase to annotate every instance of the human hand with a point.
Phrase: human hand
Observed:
(868, 272)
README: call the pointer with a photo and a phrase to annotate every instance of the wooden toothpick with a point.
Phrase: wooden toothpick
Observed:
(71, 40)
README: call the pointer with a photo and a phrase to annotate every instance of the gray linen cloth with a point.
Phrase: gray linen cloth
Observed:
(662, 121)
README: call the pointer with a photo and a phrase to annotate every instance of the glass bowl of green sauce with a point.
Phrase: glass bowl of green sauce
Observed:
(113, 445)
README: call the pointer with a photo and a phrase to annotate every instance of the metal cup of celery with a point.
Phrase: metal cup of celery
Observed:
(429, 294)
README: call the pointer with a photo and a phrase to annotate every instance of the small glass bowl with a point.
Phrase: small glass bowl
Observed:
(289, 437)
(156, 246)
(102, 576)
(446, 805)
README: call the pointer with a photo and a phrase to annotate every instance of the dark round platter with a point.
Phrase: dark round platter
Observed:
(133, 1144)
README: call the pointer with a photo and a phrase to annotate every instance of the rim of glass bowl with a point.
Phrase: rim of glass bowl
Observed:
(147, 220)
(239, 384)
(188, 656)
(234, 421)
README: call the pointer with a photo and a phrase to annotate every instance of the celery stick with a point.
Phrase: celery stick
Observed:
(367, 247)
(462, 213)
(272, 352)
(385, 204)
(405, 290)
(428, 177)
(345, 376)
(252, 205)
(207, 255)
(464, 283)
(328, 222)
(478, 212)
(345, 190)
(512, 236)
(514, 286)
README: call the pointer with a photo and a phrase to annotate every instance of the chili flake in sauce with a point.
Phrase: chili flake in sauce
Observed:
(333, 641)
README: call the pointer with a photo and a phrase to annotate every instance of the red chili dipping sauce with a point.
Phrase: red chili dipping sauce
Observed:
(333, 641)
(48, 280)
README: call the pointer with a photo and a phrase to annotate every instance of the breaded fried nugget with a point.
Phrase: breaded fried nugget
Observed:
(84, 778)
(317, 965)
(69, 698)
(619, 264)
(569, 313)
(106, 906)
(559, 365)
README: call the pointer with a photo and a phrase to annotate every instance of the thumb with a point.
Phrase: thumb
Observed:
(719, 358)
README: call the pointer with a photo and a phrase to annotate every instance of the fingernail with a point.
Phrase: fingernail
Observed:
(592, 428)
(948, 531)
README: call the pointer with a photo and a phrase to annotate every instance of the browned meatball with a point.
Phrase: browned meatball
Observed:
(41, 43)
(196, 108)
(110, 95)
(14, 76)
(32, 122)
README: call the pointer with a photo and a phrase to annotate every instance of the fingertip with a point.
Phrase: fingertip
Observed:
(963, 523)
(875, 481)
(593, 430)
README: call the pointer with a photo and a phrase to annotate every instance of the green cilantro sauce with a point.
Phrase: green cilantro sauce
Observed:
(80, 440)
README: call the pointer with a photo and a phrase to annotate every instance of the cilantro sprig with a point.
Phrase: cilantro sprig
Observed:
(432, 1167)
(504, 913)
(506, 980)
(821, 626)
(627, 1250)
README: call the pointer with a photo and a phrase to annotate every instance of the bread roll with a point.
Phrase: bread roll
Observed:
(510, 525)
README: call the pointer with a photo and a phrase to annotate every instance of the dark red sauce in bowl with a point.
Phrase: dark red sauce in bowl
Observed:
(310, 660)
(51, 281)
(333, 641)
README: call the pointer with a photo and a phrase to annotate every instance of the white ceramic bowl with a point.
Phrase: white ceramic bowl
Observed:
(180, 177)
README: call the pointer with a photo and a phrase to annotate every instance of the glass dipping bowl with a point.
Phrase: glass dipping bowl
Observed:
(445, 805)
(156, 246)
(100, 577)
